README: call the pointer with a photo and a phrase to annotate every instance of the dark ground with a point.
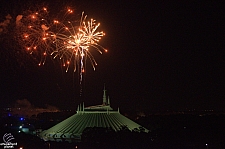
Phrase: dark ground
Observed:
(179, 131)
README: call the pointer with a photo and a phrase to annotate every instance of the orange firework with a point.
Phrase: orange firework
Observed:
(70, 42)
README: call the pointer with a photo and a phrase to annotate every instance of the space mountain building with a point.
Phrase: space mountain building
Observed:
(89, 117)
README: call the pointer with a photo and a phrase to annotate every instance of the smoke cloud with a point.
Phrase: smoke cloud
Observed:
(5, 23)
(25, 108)
(18, 18)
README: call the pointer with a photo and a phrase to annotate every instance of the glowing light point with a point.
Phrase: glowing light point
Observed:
(55, 21)
(70, 11)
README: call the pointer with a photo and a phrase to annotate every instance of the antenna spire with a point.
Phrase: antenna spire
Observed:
(108, 101)
(104, 96)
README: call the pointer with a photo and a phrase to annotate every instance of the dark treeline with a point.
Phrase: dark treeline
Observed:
(166, 131)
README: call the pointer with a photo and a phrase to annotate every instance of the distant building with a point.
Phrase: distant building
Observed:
(18, 125)
(94, 116)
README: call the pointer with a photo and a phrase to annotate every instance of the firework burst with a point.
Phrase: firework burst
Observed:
(67, 40)
(34, 33)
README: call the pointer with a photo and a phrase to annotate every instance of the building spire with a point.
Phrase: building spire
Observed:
(108, 103)
(83, 107)
(104, 96)
(78, 108)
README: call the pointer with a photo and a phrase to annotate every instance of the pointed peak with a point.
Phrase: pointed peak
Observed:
(83, 106)
(78, 108)
(104, 96)
(104, 87)
(108, 102)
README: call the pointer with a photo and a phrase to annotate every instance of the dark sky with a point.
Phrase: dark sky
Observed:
(161, 56)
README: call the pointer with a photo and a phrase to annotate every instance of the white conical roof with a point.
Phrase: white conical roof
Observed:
(95, 116)
(72, 128)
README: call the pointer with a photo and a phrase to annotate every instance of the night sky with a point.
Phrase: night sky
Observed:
(161, 56)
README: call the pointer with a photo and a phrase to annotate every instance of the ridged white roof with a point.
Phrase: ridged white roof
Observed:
(95, 116)
(72, 128)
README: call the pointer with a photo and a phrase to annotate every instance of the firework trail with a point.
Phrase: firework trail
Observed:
(67, 40)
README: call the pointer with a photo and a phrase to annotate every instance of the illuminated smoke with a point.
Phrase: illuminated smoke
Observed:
(18, 20)
(5, 23)
(25, 108)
